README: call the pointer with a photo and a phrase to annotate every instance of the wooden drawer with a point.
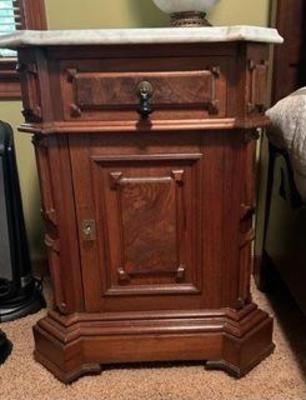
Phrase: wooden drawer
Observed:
(92, 92)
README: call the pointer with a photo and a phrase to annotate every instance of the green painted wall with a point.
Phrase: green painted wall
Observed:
(78, 14)
(143, 13)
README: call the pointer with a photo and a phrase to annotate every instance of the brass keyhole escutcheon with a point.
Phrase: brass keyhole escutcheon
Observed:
(145, 92)
(89, 229)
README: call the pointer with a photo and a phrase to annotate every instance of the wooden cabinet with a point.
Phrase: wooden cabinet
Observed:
(146, 163)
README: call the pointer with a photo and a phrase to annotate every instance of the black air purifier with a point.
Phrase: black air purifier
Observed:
(5, 347)
(20, 293)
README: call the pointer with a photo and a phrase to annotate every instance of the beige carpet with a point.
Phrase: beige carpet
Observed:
(281, 377)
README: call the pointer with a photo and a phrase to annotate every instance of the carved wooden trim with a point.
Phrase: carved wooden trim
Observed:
(241, 304)
(52, 244)
(81, 127)
(39, 140)
(32, 114)
(53, 248)
(123, 276)
(48, 211)
(28, 68)
(31, 100)
(178, 176)
(49, 216)
(258, 72)
(127, 289)
(252, 134)
(213, 105)
(180, 273)
(71, 74)
(75, 111)
(247, 238)
(247, 211)
(145, 157)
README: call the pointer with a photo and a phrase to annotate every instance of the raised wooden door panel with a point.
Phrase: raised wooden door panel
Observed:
(150, 203)
(181, 89)
(147, 214)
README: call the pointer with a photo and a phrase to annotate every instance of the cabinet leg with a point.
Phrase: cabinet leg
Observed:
(64, 360)
(68, 376)
(234, 370)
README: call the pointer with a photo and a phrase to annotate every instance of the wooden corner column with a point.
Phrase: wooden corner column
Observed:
(146, 160)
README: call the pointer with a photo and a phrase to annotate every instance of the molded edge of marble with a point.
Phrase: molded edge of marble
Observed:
(140, 36)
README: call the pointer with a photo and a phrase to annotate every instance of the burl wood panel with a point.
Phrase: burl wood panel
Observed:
(148, 222)
(172, 89)
(149, 239)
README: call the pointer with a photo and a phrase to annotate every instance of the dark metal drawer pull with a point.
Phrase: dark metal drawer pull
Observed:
(145, 92)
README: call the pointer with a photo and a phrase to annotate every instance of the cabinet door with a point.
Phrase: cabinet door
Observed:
(139, 219)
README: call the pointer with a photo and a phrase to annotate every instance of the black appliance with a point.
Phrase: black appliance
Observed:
(5, 347)
(20, 293)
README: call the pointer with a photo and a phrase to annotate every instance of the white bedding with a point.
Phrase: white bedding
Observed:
(288, 132)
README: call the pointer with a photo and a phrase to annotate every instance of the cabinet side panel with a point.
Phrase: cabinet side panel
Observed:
(58, 212)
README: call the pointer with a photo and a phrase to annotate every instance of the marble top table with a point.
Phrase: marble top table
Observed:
(140, 36)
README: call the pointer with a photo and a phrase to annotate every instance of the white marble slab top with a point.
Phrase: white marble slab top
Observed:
(140, 36)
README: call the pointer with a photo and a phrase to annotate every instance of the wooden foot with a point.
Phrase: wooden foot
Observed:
(79, 344)
(68, 376)
(237, 371)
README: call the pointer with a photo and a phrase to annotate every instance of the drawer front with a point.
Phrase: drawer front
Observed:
(90, 93)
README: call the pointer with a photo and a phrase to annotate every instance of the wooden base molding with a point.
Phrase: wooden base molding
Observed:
(233, 341)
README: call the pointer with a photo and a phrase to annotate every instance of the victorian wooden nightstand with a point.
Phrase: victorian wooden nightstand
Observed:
(145, 144)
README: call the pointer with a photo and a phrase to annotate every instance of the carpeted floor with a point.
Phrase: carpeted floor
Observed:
(281, 377)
